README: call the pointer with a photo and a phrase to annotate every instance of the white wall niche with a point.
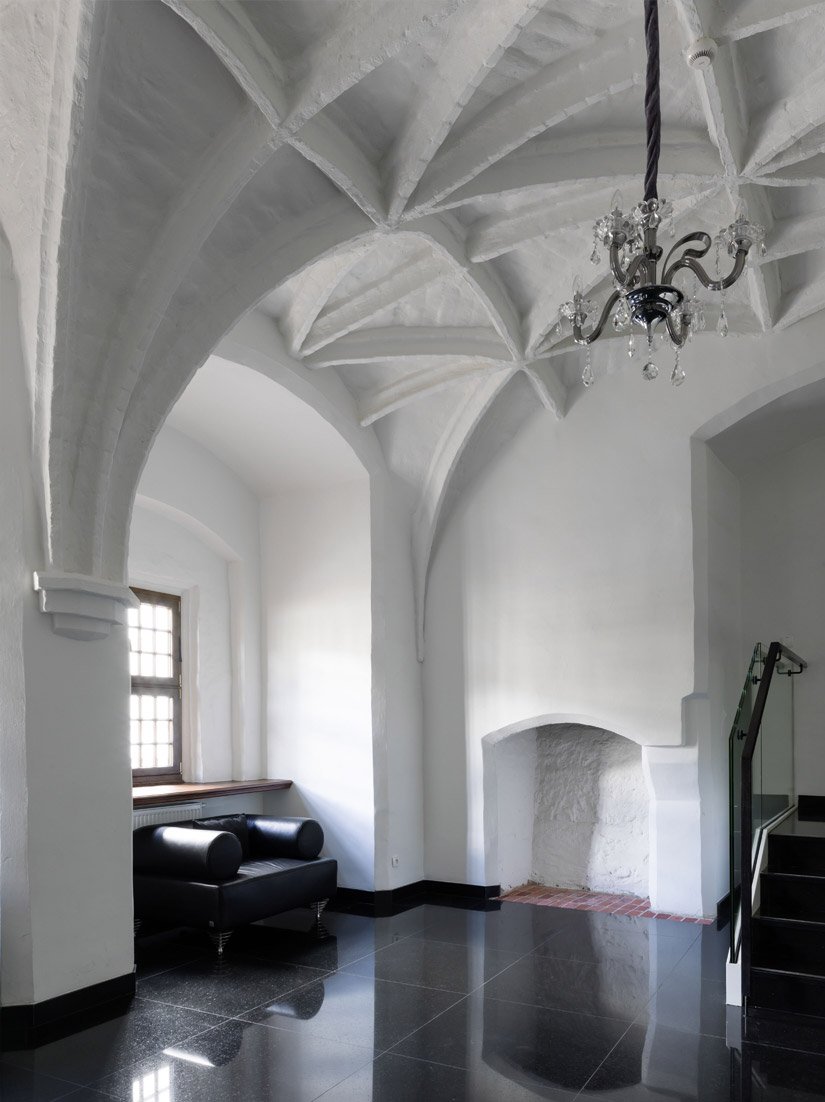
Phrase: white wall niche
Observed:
(568, 807)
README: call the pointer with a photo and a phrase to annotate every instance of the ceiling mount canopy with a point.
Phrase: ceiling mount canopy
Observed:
(644, 294)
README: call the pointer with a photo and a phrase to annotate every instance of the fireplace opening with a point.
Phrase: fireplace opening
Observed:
(566, 805)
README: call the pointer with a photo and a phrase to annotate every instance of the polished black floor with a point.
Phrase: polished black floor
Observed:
(437, 1003)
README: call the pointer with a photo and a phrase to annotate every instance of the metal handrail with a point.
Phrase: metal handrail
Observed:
(776, 652)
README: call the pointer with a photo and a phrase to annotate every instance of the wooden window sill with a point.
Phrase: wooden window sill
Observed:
(153, 795)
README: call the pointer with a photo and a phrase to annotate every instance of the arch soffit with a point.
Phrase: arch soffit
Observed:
(551, 719)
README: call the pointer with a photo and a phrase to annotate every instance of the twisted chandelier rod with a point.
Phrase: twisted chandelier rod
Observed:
(635, 254)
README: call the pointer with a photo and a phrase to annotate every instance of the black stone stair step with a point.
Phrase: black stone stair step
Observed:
(792, 992)
(796, 853)
(792, 894)
(789, 944)
(783, 1034)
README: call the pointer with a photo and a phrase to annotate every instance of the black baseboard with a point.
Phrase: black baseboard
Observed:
(388, 902)
(811, 808)
(34, 1023)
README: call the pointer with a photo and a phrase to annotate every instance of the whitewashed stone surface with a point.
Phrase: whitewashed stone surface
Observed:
(591, 811)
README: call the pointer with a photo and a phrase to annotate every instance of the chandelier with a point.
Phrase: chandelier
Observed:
(641, 296)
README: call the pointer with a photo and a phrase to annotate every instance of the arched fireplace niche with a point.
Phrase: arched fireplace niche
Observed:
(566, 805)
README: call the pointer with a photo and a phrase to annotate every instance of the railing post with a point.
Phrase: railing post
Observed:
(774, 651)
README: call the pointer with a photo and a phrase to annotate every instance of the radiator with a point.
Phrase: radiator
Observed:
(153, 816)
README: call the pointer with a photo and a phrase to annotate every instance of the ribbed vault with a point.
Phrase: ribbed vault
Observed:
(406, 188)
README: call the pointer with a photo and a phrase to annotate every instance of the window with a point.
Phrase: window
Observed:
(154, 664)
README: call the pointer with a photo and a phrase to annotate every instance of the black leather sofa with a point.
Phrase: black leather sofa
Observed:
(221, 873)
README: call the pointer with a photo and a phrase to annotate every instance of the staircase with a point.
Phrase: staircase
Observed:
(788, 929)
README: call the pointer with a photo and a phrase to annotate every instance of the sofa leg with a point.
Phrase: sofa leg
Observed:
(138, 924)
(318, 908)
(220, 939)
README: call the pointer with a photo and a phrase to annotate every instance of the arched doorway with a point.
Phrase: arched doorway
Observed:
(257, 510)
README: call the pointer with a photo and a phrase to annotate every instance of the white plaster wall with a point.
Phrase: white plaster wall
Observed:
(195, 529)
(565, 587)
(718, 629)
(19, 540)
(65, 806)
(562, 591)
(316, 558)
(783, 584)
(397, 697)
(509, 805)
(591, 812)
(166, 556)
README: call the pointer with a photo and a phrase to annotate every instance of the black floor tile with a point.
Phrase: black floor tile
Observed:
(614, 989)
(400, 1079)
(24, 1085)
(515, 928)
(348, 938)
(436, 964)
(154, 955)
(707, 955)
(644, 947)
(689, 1003)
(226, 987)
(87, 1094)
(655, 1064)
(621, 925)
(634, 1009)
(551, 1047)
(355, 1009)
(240, 1061)
(98, 1051)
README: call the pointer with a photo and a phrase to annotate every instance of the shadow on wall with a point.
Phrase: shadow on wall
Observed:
(570, 809)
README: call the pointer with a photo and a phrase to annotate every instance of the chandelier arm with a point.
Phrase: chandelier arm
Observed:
(699, 235)
(615, 262)
(678, 336)
(711, 284)
(625, 276)
(595, 333)
(653, 113)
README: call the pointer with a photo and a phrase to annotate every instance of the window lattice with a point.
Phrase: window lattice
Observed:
(154, 664)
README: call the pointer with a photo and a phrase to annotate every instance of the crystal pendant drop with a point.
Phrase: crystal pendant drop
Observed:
(631, 346)
(722, 324)
(621, 319)
(587, 374)
(677, 376)
(594, 256)
(650, 371)
(763, 249)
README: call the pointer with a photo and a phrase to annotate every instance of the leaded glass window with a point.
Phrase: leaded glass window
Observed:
(155, 668)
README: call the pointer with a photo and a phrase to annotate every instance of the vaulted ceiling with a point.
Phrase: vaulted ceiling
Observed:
(408, 189)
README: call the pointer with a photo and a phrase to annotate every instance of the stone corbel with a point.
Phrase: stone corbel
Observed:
(82, 607)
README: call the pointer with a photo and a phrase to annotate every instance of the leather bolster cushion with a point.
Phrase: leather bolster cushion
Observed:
(185, 853)
(284, 837)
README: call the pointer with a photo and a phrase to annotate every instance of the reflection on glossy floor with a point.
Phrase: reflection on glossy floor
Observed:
(437, 1003)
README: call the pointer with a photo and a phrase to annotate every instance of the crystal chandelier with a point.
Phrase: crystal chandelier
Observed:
(640, 297)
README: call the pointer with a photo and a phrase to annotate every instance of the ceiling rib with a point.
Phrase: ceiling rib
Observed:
(471, 50)
(410, 343)
(421, 384)
(392, 287)
(546, 99)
